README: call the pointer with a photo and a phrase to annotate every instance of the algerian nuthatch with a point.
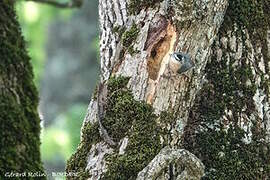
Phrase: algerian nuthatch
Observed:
(185, 61)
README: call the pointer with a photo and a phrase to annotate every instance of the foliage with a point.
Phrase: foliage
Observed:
(73, 123)
(60, 139)
(34, 20)
(55, 144)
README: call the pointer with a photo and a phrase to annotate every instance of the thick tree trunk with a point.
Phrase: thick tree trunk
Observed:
(20, 123)
(146, 114)
(229, 126)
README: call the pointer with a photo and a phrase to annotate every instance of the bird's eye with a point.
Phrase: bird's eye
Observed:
(178, 57)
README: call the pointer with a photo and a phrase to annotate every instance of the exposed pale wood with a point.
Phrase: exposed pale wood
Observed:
(192, 30)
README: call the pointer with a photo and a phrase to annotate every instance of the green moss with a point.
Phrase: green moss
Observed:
(20, 123)
(132, 51)
(117, 83)
(78, 161)
(126, 117)
(95, 93)
(128, 38)
(226, 156)
(130, 35)
(135, 6)
(119, 30)
(252, 14)
(223, 152)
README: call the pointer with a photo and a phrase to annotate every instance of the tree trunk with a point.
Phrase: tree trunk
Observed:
(149, 113)
(20, 123)
(229, 127)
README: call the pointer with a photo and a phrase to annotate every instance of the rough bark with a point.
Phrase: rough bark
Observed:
(20, 123)
(136, 40)
(229, 123)
(194, 169)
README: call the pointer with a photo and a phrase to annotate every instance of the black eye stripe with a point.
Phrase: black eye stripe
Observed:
(179, 56)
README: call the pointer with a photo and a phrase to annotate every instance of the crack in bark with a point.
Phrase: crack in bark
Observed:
(101, 102)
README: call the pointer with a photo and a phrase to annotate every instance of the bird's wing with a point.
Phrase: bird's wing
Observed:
(185, 67)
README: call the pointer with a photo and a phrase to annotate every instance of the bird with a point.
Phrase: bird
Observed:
(184, 60)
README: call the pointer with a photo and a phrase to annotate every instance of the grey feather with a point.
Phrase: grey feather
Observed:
(185, 67)
(185, 60)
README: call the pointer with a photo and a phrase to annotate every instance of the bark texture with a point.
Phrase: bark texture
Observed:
(229, 123)
(136, 40)
(194, 169)
(20, 123)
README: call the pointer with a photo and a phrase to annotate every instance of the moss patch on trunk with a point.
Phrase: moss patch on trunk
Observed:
(20, 123)
(251, 14)
(124, 117)
(128, 38)
(78, 161)
(223, 150)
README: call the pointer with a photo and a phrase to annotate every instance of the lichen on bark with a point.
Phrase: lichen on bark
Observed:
(20, 123)
(225, 129)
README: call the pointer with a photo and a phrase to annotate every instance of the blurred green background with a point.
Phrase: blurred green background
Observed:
(63, 45)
